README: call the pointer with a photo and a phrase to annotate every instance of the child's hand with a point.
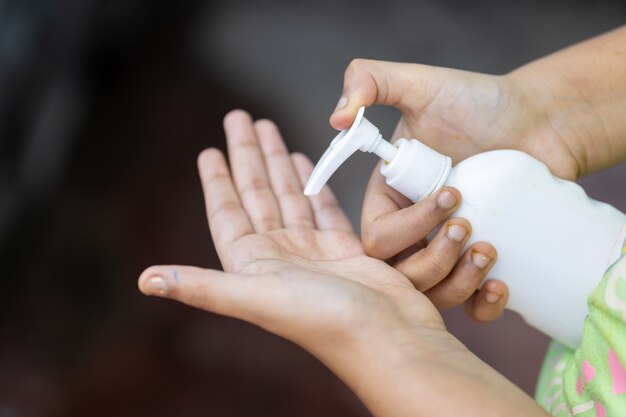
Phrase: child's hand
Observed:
(395, 230)
(462, 113)
(459, 114)
(295, 267)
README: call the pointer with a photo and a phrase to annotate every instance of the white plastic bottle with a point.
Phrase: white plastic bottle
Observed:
(554, 242)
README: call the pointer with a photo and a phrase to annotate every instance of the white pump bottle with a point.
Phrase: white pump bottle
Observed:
(554, 242)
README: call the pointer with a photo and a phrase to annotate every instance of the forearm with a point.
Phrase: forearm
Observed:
(428, 373)
(583, 92)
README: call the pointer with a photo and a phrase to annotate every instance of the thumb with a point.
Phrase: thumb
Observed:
(368, 82)
(232, 295)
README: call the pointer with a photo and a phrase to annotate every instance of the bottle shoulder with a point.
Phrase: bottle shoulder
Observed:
(504, 179)
(500, 169)
(503, 161)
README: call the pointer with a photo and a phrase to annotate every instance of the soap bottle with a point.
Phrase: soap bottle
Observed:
(554, 242)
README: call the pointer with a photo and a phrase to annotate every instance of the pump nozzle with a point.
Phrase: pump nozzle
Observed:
(363, 136)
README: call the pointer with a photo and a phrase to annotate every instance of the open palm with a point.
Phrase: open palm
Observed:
(293, 265)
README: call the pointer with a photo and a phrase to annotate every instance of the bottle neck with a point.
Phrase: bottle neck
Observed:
(385, 150)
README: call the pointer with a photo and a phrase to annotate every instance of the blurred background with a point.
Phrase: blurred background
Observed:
(104, 106)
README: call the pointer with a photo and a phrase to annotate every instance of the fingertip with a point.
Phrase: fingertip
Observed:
(343, 119)
(300, 157)
(489, 302)
(485, 249)
(157, 281)
(265, 123)
(209, 156)
(498, 287)
(460, 221)
(267, 129)
(458, 229)
(236, 116)
(211, 162)
(449, 201)
(303, 165)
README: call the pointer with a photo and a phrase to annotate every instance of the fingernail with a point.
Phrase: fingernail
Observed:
(492, 297)
(341, 103)
(480, 260)
(156, 285)
(456, 232)
(446, 200)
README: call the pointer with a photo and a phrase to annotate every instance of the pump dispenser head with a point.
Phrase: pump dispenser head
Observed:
(411, 167)
(363, 136)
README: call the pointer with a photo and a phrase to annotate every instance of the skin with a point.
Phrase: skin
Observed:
(565, 109)
(294, 267)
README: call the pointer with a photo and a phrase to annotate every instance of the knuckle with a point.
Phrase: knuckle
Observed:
(254, 185)
(300, 221)
(288, 190)
(431, 210)
(373, 242)
(473, 313)
(329, 207)
(357, 65)
(484, 314)
(438, 263)
(224, 209)
(266, 222)
(438, 267)
(197, 298)
(461, 291)
(421, 218)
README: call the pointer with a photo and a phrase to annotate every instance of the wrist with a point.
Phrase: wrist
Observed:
(385, 370)
(566, 128)
(427, 371)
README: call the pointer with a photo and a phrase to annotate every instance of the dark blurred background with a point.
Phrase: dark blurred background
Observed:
(104, 106)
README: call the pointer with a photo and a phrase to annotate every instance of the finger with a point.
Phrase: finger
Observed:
(227, 219)
(411, 250)
(369, 82)
(249, 173)
(465, 278)
(429, 266)
(326, 209)
(284, 302)
(389, 226)
(294, 206)
(233, 295)
(489, 302)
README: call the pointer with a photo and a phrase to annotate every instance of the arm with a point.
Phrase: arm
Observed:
(428, 373)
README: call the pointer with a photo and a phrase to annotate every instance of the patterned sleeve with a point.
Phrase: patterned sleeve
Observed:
(591, 381)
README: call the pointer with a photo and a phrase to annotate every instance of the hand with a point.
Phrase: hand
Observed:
(295, 267)
(460, 114)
